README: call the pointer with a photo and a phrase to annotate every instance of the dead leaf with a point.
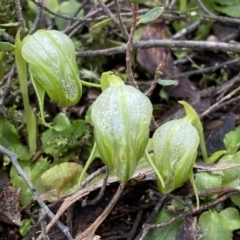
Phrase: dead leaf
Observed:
(189, 230)
(150, 58)
(9, 202)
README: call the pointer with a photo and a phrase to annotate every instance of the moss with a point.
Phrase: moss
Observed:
(7, 10)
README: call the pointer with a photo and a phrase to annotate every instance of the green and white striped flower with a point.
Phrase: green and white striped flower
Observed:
(175, 146)
(53, 67)
(121, 116)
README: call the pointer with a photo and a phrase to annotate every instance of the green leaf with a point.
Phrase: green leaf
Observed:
(165, 82)
(163, 95)
(33, 171)
(102, 23)
(60, 122)
(7, 47)
(231, 176)
(59, 181)
(67, 8)
(214, 226)
(53, 5)
(215, 156)
(151, 15)
(10, 139)
(2, 31)
(164, 233)
(232, 215)
(24, 228)
(12, 24)
(232, 140)
(136, 1)
(67, 136)
(206, 181)
(227, 3)
(232, 11)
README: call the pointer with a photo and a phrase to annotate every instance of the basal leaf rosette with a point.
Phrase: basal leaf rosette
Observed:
(175, 146)
(53, 67)
(121, 116)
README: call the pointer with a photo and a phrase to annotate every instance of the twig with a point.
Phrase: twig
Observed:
(134, 227)
(71, 30)
(101, 193)
(15, 94)
(76, 13)
(20, 17)
(13, 158)
(203, 7)
(171, 4)
(118, 22)
(207, 69)
(108, 12)
(37, 19)
(43, 225)
(79, 9)
(8, 38)
(159, 204)
(191, 212)
(187, 30)
(211, 191)
(222, 89)
(7, 85)
(210, 109)
(224, 104)
(5, 78)
(206, 17)
(130, 45)
(40, 4)
(122, 26)
(219, 18)
(148, 175)
(154, 83)
(89, 232)
(171, 44)
(93, 175)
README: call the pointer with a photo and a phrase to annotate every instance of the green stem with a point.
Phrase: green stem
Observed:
(22, 77)
(89, 161)
(203, 146)
(146, 154)
(191, 178)
(90, 84)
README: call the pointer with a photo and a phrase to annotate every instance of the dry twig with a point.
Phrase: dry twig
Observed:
(129, 46)
(45, 209)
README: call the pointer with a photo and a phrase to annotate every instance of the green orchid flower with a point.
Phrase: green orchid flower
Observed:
(121, 117)
(53, 67)
(175, 146)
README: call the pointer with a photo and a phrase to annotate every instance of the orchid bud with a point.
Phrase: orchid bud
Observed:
(53, 67)
(175, 146)
(121, 117)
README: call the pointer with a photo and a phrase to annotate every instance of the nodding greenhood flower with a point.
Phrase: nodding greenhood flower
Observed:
(175, 146)
(121, 116)
(53, 67)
